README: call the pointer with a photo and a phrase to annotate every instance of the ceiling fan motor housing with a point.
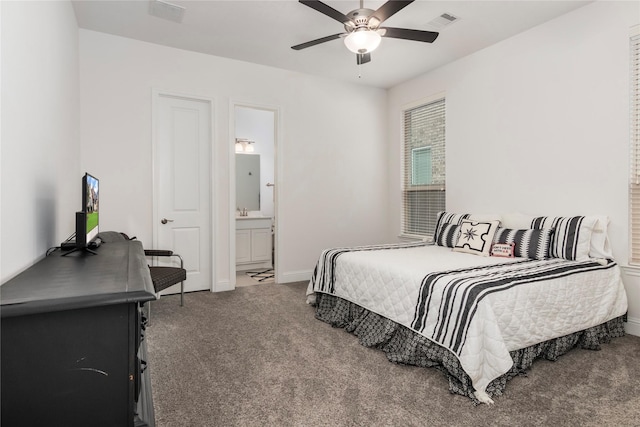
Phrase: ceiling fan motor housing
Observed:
(361, 18)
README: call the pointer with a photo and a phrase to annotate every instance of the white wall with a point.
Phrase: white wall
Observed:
(538, 124)
(41, 186)
(332, 170)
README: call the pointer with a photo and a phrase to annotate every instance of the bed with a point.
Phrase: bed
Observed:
(481, 319)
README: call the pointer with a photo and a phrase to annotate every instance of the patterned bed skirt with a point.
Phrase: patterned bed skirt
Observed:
(402, 345)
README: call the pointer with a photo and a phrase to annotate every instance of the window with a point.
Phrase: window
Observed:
(634, 122)
(423, 187)
(421, 166)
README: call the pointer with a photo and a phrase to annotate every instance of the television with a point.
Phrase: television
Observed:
(87, 220)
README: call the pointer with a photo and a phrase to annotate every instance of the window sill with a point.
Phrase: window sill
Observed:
(414, 238)
(631, 270)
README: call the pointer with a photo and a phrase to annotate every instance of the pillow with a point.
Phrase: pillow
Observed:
(505, 250)
(443, 218)
(516, 220)
(531, 243)
(485, 217)
(476, 237)
(600, 247)
(572, 237)
(448, 235)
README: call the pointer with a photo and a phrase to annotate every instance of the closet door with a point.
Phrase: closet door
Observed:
(182, 186)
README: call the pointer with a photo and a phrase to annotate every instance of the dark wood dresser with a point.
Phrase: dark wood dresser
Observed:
(73, 351)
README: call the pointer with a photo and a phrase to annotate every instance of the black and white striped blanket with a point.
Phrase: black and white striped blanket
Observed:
(459, 292)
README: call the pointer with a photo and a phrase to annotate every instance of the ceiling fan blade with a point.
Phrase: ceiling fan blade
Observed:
(407, 34)
(317, 41)
(363, 58)
(326, 10)
(390, 8)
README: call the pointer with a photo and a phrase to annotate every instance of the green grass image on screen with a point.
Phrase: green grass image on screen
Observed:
(92, 221)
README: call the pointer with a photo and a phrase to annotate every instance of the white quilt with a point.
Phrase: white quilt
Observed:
(517, 302)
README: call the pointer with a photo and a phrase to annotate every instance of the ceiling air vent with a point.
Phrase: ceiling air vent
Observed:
(166, 10)
(443, 20)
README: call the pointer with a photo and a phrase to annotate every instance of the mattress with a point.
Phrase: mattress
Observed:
(479, 308)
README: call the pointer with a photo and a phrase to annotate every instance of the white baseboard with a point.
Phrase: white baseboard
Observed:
(633, 326)
(296, 276)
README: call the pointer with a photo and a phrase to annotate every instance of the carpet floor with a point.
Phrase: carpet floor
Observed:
(256, 356)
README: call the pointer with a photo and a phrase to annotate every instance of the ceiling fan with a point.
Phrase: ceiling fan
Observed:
(363, 30)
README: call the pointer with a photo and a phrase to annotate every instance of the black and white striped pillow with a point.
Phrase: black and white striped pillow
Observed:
(572, 237)
(531, 243)
(446, 218)
(448, 235)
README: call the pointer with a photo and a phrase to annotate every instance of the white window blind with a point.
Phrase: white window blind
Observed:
(634, 121)
(423, 188)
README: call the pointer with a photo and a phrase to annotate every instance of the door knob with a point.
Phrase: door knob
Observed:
(165, 220)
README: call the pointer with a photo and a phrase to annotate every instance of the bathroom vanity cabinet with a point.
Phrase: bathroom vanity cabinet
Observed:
(254, 243)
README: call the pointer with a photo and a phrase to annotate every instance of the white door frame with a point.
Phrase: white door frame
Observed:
(277, 117)
(156, 93)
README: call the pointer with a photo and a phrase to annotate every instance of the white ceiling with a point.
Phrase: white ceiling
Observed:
(263, 32)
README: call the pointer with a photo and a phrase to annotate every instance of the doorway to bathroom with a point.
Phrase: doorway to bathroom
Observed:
(254, 194)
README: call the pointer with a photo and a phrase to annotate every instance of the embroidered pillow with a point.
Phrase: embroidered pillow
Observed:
(532, 243)
(572, 237)
(504, 250)
(448, 235)
(476, 237)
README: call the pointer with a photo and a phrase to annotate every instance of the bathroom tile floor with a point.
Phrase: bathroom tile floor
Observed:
(242, 279)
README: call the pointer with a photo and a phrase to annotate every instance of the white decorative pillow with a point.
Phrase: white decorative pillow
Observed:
(444, 218)
(476, 237)
(516, 220)
(572, 237)
(600, 247)
(485, 217)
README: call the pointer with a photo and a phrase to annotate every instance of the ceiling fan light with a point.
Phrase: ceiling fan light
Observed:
(362, 41)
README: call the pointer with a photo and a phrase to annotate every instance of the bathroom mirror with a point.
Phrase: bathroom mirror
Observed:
(248, 181)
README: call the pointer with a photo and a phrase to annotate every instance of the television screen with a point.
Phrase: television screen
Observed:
(87, 220)
(90, 203)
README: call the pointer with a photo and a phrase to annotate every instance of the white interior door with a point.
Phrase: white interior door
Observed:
(182, 185)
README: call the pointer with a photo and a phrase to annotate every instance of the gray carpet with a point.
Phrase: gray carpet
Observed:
(256, 356)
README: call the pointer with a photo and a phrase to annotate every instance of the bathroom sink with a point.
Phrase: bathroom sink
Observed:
(252, 215)
(250, 222)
